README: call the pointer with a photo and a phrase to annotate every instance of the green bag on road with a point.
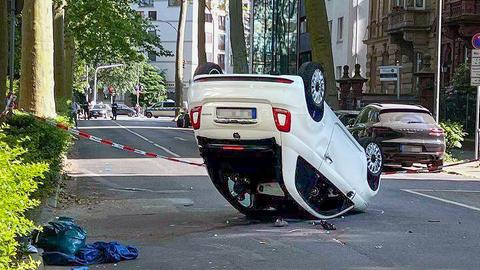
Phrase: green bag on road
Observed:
(62, 235)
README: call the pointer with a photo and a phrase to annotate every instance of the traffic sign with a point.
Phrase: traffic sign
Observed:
(476, 41)
(475, 68)
(389, 73)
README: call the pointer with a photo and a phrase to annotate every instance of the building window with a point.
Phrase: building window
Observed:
(176, 3)
(419, 4)
(338, 72)
(340, 29)
(303, 25)
(398, 3)
(208, 18)
(221, 60)
(152, 15)
(141, 13)
(209, 37)
(418, 61)
(145, 3)
(221, 42)
(221, 22)
(209, 57)
(152, 57)
(330, 23)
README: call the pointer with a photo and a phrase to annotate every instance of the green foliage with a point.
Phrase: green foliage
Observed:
(108, 31)
(454, 134)
(153, 86)
(18, 180)
(43, 143)
(461, 79)
(122, 79)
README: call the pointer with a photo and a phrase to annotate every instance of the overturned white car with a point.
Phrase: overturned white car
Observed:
(271, 144)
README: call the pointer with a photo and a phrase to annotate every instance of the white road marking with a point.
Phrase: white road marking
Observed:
(133, 174)
(446, 190)
(180, 138)
(149, 141)
(443, 200)
(136, 127)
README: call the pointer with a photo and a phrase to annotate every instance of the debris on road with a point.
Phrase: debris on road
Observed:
(434, 221)
(378, 247)
(64, 243)
(280, 223)
(326, 225)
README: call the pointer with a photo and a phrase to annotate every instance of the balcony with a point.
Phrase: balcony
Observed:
(409, 20)
(461, 11)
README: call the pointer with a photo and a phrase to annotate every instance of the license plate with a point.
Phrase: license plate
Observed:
(236, 113)
(411, 149)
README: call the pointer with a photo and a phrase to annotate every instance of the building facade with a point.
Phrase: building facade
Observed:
(164, 14)
(348, 22)
(400, 33)
(461, 20)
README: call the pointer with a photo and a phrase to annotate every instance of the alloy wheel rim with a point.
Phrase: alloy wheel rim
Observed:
(318, 86)
(374, 158)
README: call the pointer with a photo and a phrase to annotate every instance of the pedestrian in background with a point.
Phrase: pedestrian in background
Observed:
(75, 109)
(114, 111)
(86, 111)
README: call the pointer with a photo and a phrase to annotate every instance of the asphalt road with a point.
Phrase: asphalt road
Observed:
(176, 218)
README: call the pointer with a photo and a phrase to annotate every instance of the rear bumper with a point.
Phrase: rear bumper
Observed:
(237, 147)
(393, 152)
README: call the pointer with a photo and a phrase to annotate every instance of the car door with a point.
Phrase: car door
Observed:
(168, 109)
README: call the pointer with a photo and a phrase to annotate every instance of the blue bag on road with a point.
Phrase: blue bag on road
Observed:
(96, 253)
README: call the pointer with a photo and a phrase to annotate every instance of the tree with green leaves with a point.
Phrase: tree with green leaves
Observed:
(3, 48)
(153, 86)
(110, 31)
(202, 55)
(320, 39)
(182, 20)
(237, 37)
(37, 80)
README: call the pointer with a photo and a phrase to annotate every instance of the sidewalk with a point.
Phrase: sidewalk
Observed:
(471, 169)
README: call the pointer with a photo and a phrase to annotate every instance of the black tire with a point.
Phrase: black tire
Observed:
(313, 75)
(130, 115)
(374, 154)
(149, 115)
(183, 121)
(436, 165)
(207, 69)
(407, 164)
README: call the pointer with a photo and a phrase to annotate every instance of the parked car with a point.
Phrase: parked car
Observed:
(407, 133)
(125, 110)
(347, 117)
(164, 108)
(271, 144)
(101, 110)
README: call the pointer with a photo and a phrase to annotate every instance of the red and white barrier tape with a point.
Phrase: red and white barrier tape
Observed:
(126, 148)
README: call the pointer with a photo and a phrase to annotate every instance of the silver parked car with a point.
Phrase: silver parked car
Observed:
(165, 108)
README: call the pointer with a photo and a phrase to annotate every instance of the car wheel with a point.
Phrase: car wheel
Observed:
(375, 161)
(130, 115)
(436, 165)
(314, 82)
(207, 69)
(148, 115)
(407, 164)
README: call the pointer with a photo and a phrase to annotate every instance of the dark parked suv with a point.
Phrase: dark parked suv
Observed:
(407, 133)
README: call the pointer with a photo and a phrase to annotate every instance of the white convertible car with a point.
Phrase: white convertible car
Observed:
(272, 144)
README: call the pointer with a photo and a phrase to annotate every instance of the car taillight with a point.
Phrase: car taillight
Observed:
(436, 132)
(233, 148)
(283, 119)
(195, 114)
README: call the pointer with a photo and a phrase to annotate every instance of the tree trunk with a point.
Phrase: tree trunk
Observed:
(3, 50)
(182, 20)
(321, 43)
(37, 80)
(202, 55)
(59, 54)
(69, 65)
(237, 37)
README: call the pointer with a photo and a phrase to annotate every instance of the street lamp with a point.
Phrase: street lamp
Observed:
(95, 79)
(439, 55)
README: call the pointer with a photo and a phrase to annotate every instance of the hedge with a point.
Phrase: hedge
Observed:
(31, 159)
